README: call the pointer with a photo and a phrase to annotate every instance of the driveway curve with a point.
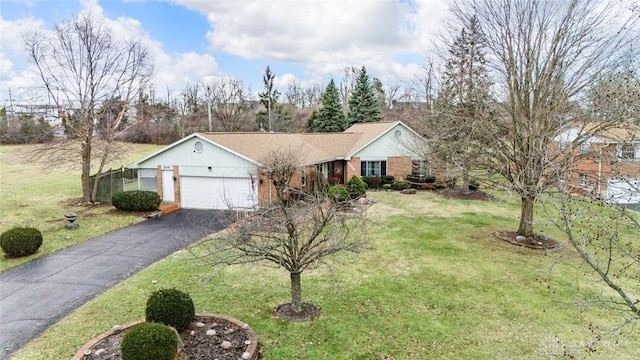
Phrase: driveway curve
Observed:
(37, 294)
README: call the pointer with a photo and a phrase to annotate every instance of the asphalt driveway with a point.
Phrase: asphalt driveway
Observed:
(39, 293)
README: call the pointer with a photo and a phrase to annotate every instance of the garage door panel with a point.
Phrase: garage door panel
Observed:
(623, 191)
(216, 193)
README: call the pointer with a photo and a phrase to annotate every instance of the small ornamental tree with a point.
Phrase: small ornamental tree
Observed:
(298, 231)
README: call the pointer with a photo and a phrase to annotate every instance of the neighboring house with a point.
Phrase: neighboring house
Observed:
(223, 170)
(606, 165)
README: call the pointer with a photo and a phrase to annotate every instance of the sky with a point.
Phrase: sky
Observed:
(308, 41)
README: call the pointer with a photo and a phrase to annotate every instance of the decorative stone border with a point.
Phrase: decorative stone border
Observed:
(252, 348)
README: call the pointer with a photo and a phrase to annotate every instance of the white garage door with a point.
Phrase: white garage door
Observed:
(216, 193)
(623, 191)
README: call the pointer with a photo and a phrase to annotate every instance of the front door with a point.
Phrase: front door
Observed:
(168, 186)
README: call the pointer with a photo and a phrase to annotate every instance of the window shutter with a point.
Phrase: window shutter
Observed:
(383, 168)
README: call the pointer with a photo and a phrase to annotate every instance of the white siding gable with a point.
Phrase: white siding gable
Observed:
(213, 160)
(398, 141)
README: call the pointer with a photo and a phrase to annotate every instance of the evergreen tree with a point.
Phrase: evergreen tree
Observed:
(275, 117)
(463, 103)
(329, 118)
(363, 103)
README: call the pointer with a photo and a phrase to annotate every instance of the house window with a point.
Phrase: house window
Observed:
(583, 179)
(584, 148)
(148, 179)
(562, 146)
(373, 168)
(627, 151)
(420, 168)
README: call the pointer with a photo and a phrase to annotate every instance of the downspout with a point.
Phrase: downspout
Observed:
(600, 171)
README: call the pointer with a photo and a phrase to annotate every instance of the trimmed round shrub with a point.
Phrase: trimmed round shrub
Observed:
(136, 200)
(356, 187)
(338, 193)
(20, 241)
(400, 185)
(149, 341)
(170, 307)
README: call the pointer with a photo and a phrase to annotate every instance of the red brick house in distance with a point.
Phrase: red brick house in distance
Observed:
(606, 165)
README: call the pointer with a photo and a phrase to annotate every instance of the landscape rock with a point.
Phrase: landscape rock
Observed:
(225, 345)
(408, 191)
(521, 238)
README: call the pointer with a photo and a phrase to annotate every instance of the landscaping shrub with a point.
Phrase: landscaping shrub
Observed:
(387, 179)
(149, 341)
(338, 193)
(20, 241)
(428, 179)
(137, 200)
(315, 182)
(171, 307)
(373, 182)
(356, 187)
(400, 185)
(386, 186)
(427, 187)
(474, 185)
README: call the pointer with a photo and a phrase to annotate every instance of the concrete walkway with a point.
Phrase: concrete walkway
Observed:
(37, 294)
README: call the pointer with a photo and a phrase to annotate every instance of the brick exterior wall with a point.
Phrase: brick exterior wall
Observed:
(176, 184)
(598, 165)
(352, 168)
(399, 167)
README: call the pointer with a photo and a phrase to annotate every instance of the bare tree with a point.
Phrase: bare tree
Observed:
(543, 54)
(605, 237)
(349, 78)
(190, 109)
(82, 65)
(230, 102)
(298, 231)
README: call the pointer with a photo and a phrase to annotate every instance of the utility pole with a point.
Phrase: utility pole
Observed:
(269, 111)
(10, 103)
(209, 106)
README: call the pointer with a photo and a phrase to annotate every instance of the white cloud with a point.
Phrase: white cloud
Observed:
(324, 36)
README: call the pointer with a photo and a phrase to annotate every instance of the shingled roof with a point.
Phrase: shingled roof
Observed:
(314, 147)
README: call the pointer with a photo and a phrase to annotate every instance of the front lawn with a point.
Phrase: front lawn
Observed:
(32, 196)
(436, 285)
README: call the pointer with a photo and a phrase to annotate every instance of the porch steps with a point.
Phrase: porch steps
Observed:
(167, 208)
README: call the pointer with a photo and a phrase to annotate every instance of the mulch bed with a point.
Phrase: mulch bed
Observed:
(458, 194)
(534, 242)
(197, 345)
(285, 312)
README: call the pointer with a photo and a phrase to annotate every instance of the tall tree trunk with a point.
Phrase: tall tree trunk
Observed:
(86, 170)
(526, 216)
(465, 181)
(296, 292)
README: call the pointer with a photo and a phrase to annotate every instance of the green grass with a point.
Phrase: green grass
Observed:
(436, 285)
(33, 196)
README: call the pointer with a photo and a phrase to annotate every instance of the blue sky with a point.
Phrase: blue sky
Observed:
(306, 41)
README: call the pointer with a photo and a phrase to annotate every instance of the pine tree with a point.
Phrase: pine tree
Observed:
(329, 118)
(363, 103)
(463, 103)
